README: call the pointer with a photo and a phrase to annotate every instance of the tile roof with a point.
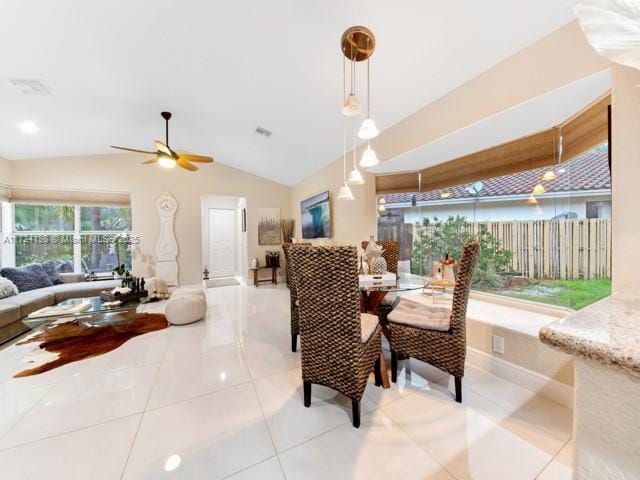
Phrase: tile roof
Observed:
(589, 171)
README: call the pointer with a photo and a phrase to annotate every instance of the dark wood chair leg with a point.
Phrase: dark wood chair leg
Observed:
(458, 382)
(377, 372)
(355, 408)
(294, 342)
(307, 393)
(394, 366)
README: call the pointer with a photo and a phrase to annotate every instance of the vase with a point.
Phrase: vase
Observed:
(378, 266)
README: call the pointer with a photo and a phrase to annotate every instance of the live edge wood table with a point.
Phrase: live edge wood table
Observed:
(371, 297)
(257, 280)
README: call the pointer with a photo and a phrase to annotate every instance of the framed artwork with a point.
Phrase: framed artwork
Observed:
(316, 216)
(269, 232)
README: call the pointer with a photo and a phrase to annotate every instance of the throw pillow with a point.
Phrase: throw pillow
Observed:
(52, 273)
(28, 277)
(7, 288)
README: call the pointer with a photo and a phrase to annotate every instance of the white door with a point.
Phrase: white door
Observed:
(222, 244)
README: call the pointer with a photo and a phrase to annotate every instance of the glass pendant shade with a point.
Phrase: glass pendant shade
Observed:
(532, 200)
(369, 158)
(550, 175)
(166, 161)
(345, 193)
(368, 129)
(351, 106)
(538, 189)
(355, 177)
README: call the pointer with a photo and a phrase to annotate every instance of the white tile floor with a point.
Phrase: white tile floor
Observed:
(222, 399)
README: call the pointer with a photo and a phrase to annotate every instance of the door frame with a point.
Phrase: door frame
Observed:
(237, 204)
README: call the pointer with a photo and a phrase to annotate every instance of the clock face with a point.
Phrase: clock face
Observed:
(166, 205)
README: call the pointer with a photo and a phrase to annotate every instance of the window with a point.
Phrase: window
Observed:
(44, 233)
(105, 235)
(543, 237)
(76, 238)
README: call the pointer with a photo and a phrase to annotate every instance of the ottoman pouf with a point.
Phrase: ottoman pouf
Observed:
(185, 309)
(188, 291)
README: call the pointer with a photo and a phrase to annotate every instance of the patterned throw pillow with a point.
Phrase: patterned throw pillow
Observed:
(7, 288)
(28, 277)
(52, 273)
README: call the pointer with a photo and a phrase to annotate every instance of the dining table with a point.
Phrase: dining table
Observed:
(371, 296)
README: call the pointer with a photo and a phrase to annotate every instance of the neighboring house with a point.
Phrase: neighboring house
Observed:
(581, 189)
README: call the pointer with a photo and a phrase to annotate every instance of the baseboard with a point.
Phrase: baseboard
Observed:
(545, 386)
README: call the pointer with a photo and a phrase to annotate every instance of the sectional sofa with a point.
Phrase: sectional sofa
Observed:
(14, 308)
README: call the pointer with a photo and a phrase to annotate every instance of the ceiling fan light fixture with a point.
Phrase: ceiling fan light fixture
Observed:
(166, 161)
(368, 129)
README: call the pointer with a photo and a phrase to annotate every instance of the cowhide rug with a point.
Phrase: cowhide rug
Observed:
(70, 341)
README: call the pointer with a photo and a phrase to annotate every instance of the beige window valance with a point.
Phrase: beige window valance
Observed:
(580, 133)
(68, 197)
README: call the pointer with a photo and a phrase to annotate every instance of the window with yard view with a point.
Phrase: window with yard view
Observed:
(545, 234)
(76, 238)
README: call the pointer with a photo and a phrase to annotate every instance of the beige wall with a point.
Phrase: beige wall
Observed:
(351, 221)
(5, 171)
(124, 173)
(625, 98)
(554, 61)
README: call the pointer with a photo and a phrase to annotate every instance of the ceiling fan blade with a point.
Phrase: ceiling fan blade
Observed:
(163, 148)
(195, 158)
(153, 160)
(186, 165)
(132, 149)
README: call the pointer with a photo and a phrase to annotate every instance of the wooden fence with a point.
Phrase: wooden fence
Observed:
(542, 249)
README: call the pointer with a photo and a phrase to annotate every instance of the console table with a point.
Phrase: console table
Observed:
(257, 280)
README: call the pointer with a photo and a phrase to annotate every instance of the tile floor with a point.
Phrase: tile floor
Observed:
(223, 399)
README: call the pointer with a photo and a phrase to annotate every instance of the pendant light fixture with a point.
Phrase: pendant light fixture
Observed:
(355, 177)
(345, 193)
(351, 106)
(369, 158)
(538, 189)
(368, 129)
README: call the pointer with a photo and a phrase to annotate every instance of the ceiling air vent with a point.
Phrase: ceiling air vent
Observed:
(263, 131)
(30, 86)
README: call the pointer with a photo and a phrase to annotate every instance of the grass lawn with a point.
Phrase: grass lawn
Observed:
(574, 294)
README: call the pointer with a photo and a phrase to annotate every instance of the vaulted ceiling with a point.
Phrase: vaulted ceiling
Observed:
(224, 68)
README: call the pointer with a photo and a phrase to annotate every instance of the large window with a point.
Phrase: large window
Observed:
(75, 238)
(545, 234)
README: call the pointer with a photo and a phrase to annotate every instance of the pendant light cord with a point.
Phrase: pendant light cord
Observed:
(368, 82)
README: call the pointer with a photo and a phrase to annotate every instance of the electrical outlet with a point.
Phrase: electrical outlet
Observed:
(497, 344)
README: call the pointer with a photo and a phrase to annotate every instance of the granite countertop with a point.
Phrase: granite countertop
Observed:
(607, 332)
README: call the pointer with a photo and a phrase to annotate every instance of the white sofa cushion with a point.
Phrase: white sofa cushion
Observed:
(185, 309)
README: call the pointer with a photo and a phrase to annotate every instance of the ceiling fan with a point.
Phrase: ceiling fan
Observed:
(167, 158)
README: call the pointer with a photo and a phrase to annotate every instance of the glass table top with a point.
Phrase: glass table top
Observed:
(96, 306)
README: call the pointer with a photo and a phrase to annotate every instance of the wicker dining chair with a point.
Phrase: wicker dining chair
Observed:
(390, 252)
(293, 298)
(340, 346)
(445, 350)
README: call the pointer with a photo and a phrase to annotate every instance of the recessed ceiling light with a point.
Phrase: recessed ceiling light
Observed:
(28, 127)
